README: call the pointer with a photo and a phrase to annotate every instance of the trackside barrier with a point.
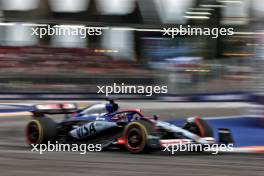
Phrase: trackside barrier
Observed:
(203, 97)
(257, 100)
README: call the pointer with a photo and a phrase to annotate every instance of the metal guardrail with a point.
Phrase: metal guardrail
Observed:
(205, 97)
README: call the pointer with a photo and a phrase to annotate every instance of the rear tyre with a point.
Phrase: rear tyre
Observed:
(41, 130)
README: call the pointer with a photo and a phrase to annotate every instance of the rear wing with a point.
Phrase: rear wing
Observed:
(66, 108)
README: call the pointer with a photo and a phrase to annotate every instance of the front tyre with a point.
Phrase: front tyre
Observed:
(136, 136)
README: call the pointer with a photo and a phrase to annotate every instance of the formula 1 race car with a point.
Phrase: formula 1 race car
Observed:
(105, 124)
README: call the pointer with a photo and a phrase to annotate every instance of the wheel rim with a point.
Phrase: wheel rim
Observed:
(135, 138)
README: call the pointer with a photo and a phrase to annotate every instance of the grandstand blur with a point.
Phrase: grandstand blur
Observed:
(132, 48)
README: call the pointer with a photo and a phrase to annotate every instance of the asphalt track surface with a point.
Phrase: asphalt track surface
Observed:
(16, 159)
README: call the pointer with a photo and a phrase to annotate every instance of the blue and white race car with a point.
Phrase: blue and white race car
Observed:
(105, 124)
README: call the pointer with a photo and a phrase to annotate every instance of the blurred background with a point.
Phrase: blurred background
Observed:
(131, 49)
